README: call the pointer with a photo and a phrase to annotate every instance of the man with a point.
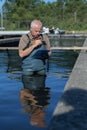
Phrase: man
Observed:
(34, 49)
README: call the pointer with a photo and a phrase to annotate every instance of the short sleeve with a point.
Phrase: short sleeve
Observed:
(47, 41)
(24, 40)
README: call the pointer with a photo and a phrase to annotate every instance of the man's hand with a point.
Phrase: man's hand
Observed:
(37, 42)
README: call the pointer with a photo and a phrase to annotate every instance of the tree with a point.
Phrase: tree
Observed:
(65, 14)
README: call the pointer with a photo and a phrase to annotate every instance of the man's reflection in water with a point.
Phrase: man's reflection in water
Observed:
(35, 98)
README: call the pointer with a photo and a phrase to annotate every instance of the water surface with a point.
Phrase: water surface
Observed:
(15, 108)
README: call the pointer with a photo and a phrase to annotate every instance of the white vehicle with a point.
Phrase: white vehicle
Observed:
(46, 30)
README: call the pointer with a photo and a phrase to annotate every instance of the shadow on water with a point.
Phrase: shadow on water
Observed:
(61, 62)
(14, 61)
(35, 98)
(73, 115)
(67, 41)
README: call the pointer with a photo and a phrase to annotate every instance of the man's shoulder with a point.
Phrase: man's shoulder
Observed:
(44, 35)
(25, 37)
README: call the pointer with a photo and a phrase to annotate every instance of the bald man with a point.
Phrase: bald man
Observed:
(34, 49)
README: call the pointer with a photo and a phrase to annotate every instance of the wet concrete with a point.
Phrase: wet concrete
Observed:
(71, 111)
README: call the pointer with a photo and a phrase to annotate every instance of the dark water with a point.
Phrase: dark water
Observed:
(24, 108)
(68, 41)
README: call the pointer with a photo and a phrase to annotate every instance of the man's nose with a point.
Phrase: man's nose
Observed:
(38, 32)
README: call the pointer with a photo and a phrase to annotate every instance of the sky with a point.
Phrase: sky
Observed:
(2, 2)
(49, 0)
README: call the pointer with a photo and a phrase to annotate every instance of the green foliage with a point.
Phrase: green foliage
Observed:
(64, 14)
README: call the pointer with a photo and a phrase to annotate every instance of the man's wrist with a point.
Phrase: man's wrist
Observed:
(33, 46)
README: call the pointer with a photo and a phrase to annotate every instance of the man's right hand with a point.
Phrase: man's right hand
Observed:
(37, 42)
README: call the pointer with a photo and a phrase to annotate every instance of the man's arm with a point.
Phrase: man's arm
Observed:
(47, 44)
(22, 44)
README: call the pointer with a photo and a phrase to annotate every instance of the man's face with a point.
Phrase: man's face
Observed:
(35, 32)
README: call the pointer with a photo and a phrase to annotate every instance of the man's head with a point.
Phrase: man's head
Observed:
(35, 28)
